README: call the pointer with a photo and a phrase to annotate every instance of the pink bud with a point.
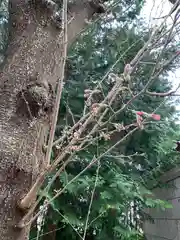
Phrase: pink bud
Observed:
(156, 117)
(140, 113)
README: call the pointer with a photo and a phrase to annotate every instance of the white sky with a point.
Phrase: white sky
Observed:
(155, 9)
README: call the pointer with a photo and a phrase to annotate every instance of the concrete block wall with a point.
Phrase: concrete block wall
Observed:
(166, 224)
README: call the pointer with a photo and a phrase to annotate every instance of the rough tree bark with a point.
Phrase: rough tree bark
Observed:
(34, 46)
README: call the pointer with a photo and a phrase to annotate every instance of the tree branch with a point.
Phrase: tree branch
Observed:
(60, 83)
(165, 94)
(23, 223)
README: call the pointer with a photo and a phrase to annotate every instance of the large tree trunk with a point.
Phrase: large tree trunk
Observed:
(34, 47)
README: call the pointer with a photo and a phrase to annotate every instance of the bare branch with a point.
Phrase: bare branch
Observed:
(23, 222)
(166, 94)
(174, 8)
(91, 201)
(60, 84)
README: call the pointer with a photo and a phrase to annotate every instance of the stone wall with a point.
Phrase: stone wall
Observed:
(166, 224)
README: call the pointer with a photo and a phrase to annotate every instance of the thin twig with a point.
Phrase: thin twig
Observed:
(23, 224)
(145, 87)
(91, 201)
(60, 84)
(80, 122)
(165, 94)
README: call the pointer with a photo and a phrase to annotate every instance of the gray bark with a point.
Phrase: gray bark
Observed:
(34, 47)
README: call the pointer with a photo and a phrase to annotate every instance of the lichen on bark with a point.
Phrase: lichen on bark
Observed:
(33, 47)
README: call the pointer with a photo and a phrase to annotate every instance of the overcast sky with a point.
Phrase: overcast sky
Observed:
(155, 9)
